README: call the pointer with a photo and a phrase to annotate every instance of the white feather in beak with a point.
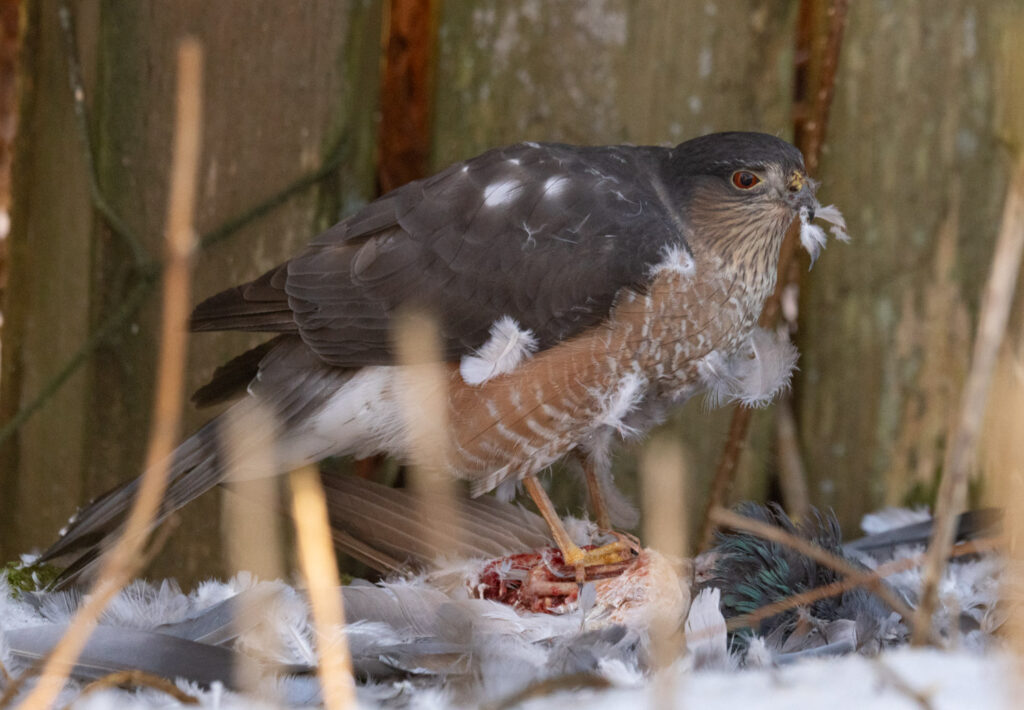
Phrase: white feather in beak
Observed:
(813, 237)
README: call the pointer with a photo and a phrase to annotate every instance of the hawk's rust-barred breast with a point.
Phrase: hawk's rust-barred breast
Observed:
(580, 292)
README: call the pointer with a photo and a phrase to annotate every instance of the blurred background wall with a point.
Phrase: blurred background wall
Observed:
(311, 105)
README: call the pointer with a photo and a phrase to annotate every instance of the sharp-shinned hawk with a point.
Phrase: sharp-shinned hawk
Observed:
(580, 293)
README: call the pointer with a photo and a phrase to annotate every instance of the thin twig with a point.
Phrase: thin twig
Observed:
(320, 569)
(111, 325)
(123, 559)
(99, 202)
(725, 473)
(135, 678)
(862, 579)
(727, 518)
(995, 312)
(550, 686)
(335, 157)
(12, 690)
(901, 686)
(809, 132)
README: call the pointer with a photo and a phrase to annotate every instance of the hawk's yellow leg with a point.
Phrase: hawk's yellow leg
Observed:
(597, 505)
(573, 554)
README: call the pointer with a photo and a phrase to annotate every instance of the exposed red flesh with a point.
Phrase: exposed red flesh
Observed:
(538, 581)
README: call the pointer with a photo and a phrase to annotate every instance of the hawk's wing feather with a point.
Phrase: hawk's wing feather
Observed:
(546, 234)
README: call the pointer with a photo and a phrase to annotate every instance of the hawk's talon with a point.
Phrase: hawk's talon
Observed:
(612, 555)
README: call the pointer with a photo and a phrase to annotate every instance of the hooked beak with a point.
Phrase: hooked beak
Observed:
(801, 196)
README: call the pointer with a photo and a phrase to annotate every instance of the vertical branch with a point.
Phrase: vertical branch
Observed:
(125, 557)
(817, 63)
(792, 476)
(406, 92)
(320, 568)
(406, 103)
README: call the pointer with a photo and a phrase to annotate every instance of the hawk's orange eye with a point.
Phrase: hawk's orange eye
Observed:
(744, 180)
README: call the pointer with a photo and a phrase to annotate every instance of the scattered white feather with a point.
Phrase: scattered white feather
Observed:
(140, 604)
(706, 632)
(630, 391)
(284, 633)
(758, 654)
(581, 530)
(754, 375)
(621, 674)
(507, 490)
(891, 518)
(519, 651)
(676, 259)
(508, 345)
(790, 303)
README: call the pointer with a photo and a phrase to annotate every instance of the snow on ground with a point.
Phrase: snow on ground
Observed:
(900, 678)
(941, 680)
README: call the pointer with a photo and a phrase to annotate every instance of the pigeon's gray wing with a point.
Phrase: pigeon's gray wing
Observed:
(983, 522)
(112, 649)
(546, 234)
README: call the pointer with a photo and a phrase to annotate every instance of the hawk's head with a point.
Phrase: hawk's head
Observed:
(741, 191)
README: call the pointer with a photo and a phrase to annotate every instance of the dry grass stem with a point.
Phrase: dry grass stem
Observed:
(995, 312)
(1004, 467)
(664, 481)
(664, 485)
(17, 682)
(137, 679)
(123, 560)
(727, 518)
(424, 401)
(320, 569)
(251, 523)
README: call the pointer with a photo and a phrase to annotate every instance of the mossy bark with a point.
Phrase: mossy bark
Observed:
(286, 86)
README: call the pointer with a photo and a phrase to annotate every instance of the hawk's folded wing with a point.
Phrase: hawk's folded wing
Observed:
(546, 234)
